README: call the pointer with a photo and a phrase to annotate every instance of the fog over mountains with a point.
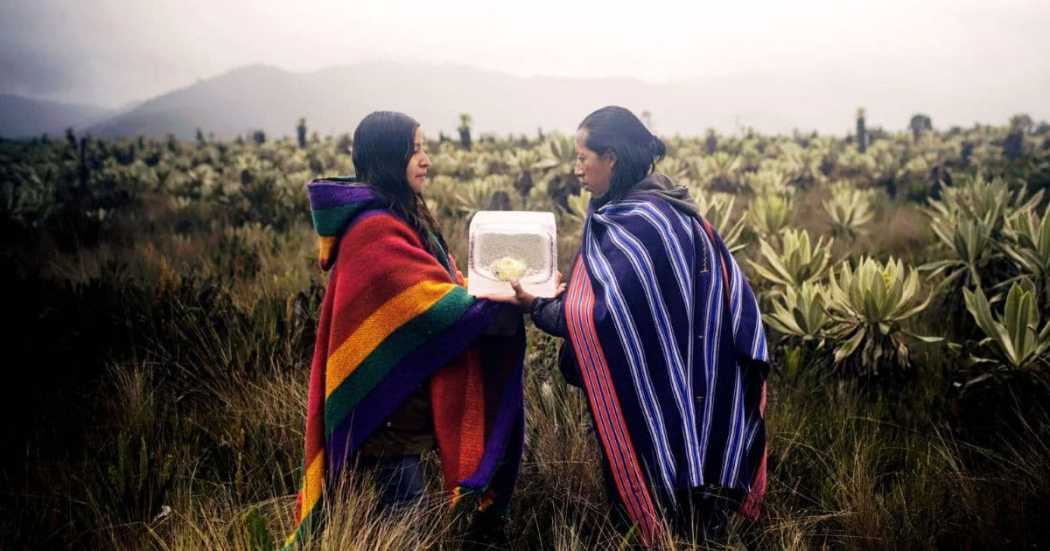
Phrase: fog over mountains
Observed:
(24, 117)
(333, 100)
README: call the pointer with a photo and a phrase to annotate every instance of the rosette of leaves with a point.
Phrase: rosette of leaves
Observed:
(1009, 364)
(31, 203)
(721, 172)
(799, 260)
(769, 214)
(201, 183)
(970, 249)
(888, 161)
(991, 202)
(266, 198)
(800, 313)
(849, 209)
(770, 180)
(974, 210)
(752, 154)
(523, 164)
(697, 172)
(560, 154)
(1016, 342)
(867, 305)
(717, 208)
(911, 178)
(578, 205)
(476, 194)
(559, 167)
(857, 166)
(456, 163)
(803, 165)
(800, 317)
(675, 168)
(1029, 249)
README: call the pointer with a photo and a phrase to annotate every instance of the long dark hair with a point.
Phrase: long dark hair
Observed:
(383, 145)
(637, 150)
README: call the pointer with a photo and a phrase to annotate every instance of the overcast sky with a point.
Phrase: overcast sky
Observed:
(111, 52)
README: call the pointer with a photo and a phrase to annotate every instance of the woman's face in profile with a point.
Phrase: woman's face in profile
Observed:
(416, 173)
(595, 171)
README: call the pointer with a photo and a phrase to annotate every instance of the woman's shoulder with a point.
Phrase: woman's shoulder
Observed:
(644, 212)
(380, 222)
(378, 228)
(641, 202)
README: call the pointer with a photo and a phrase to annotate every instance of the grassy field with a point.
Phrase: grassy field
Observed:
(163, 298)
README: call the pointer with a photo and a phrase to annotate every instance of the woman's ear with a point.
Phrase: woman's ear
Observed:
(611, 157)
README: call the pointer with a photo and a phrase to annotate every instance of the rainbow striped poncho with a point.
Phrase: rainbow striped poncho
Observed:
(393, 316)
(672, 353)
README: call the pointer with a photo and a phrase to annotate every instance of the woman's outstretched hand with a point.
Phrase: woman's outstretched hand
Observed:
(561, 285)
(521, 297)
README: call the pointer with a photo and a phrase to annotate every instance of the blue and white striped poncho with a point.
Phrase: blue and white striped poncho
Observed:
(672, 352)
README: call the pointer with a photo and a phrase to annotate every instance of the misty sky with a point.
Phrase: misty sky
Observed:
(111, 52)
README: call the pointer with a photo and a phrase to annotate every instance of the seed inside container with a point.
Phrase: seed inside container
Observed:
(504, 255)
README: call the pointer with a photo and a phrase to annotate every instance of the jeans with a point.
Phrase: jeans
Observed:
(399, 479)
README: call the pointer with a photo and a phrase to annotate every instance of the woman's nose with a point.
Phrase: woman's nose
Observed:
(425, 161)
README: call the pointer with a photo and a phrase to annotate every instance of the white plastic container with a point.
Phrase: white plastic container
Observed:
(516, 241)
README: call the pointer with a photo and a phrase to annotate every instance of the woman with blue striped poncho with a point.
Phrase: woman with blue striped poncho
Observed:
(664, 335)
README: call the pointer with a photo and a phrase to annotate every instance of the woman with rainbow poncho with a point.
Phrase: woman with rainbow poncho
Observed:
(402, 360)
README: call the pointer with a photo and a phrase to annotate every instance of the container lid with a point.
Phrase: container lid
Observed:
(485, 217)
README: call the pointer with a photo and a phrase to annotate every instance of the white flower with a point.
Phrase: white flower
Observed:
(508, 268)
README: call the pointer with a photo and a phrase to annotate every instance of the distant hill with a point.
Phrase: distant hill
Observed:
(334, 100)
(22, 117)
